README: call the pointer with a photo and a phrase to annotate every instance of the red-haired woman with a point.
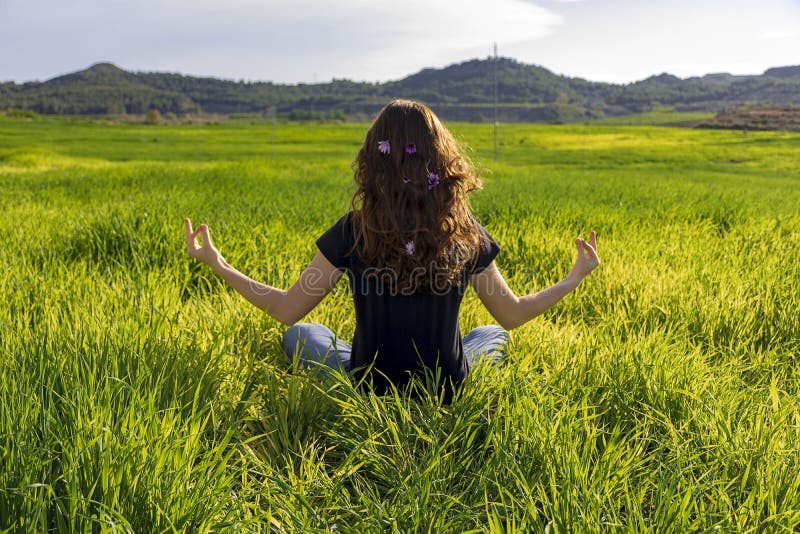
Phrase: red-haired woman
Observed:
(409, 247)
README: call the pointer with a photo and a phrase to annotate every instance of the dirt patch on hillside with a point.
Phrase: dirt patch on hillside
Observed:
(786, 119)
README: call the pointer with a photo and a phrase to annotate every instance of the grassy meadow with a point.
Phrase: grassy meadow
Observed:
(139, 394)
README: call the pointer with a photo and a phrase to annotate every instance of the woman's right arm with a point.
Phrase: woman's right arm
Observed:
(512, 311)
(287, 306)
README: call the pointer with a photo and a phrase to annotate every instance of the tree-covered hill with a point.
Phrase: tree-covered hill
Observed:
(464, 91)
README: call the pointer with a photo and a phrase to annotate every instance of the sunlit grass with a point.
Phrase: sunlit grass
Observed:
(662, 117)
(138, 393)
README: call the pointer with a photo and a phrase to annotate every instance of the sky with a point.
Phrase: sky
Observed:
(293, 41)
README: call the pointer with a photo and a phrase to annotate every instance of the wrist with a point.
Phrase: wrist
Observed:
(217, 263)
(574, 279)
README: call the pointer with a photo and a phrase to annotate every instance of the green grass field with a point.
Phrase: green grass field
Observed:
(138, 393)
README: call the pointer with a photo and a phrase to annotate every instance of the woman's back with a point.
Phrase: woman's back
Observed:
(402, 329)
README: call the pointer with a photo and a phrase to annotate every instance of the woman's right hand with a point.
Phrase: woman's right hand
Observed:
(588, 259)
(205, 252)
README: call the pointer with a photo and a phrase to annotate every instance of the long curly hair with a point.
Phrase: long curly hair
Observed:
(409, 224)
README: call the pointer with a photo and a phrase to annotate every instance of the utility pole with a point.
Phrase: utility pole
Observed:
(494, 89)
(274, 127)
(311, 98)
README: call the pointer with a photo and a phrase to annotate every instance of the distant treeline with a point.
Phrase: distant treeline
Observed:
(464, 91)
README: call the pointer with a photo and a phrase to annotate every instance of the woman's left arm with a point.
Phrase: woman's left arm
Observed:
(288, 307)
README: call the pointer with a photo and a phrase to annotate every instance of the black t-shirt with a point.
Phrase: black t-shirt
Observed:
(400, 332)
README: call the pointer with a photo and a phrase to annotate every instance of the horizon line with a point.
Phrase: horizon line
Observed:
(381, 82)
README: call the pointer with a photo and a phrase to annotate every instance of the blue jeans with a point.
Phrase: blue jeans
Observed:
(313, 342)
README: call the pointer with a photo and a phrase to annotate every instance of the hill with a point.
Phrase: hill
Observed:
(463, 91)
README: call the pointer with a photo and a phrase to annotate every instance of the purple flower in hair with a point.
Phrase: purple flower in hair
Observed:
(406, 180)
(384, 147)
(433, 180)
(411, 148)
(410, 248)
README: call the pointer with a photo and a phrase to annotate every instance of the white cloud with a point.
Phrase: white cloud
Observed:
(780, 35)
(381, 40)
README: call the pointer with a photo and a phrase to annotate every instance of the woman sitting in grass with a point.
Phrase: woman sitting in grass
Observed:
(409, 247)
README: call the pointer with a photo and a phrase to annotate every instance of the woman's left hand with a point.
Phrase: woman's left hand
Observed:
(205, 252)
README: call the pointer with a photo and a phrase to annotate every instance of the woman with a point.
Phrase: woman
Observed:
(410, 247)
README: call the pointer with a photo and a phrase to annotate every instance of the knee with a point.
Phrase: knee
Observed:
(493, 332)
(293, 336)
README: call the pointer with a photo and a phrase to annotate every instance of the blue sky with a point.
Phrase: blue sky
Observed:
(315, 40)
